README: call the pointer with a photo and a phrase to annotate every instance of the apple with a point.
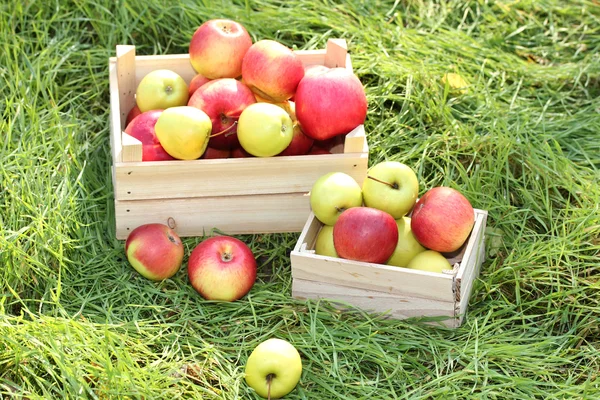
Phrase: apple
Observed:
(429, 260)
(273, 369)
(407, 246)
(330, 103)
(300, 144)
(318, 150)
(239, 152)
(222, 268)
(331, 194)
(197, 81)
(272, 70)
(324, 243)
(154, 250)
(142, 128)
(211, 153)
(442, 219)
(134, 112)
(161, 89)
(217, 48)
(365, 234)
(223, 100)
(264, 129)
(391, 187)
(183, 132)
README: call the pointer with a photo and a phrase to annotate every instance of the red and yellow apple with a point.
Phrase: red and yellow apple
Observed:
(197, 81)
(161, 89)
(142, 128)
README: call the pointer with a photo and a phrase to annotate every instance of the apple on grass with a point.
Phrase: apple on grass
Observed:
(391, 187)
(154, 250)
(442, 219)
(223, 100)
(324, 243)
(272, 70)
(273, 369)
(431, 261)
(330, 103)
(222, 268)
(142, 128)
(264, 129)
(217, 48)
(407, 246)
(332, 194)
(183, 132)
(365, 234)
(161, 89)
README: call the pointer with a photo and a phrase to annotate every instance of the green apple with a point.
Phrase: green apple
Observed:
(183, 131)
(430, 260)
(273, 368)
(324, 243)
(333, 193)
(407, 246)
(391, 187)
(264, 129)
(161, 89)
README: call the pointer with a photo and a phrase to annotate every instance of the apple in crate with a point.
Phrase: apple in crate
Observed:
(223, 100)
(222, 268)
(300, 144)
(330, 103)
(442, 219)
(264, 129)
(324, 243)
(217, 48)
(197, 81)
(134, 112)
(407, 247)
(365, 234)
(272, 70)
(315, 150)
(332, 194)
(154, 250)
(273, 369)
(142, 128)
(431, 261)
(183, 132)
(212, 154)
(391, 187)
(161, 89)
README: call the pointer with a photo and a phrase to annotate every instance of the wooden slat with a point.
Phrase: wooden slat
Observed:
(132, 148)
(335, 53)
(356, 141)
(126, 79)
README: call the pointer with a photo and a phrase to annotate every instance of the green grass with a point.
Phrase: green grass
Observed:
(522, 142)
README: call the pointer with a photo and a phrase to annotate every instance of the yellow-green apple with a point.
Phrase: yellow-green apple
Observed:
(264, 129)
(392, 187)
(183, 132)
(154, 250)
(330, 103)
(134, 112)
(324, 242)
(211, 153)
(197, 81)
(223, 100)
(365, 234)
(407, 246)
(442, 219)
(333, 193)
(142, 128)
(429, 260)
(222, 268)
(161, 89)
(272, 70)
(217, 48)
(273, 369)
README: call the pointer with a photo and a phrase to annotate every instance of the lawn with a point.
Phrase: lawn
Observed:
(522, 141)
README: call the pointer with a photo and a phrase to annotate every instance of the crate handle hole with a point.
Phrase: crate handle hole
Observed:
(171, 223)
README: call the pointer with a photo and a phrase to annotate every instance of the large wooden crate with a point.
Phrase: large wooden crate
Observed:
(399, 292)
(236, 196)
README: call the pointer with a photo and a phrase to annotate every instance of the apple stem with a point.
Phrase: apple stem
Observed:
(224, 131)
(269, 380)
(392, 185)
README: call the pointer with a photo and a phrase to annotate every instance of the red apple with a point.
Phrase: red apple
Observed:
(154, 250)
(217, 48)
(272, 70)
(142, 128)
(223, 100)
(212, 153)
(365, 234)
(318, 150)
(239, 152)
(442, 219)
(222, 268)
(300, 145)
(197, 81)
(330, 103)
(134, 112)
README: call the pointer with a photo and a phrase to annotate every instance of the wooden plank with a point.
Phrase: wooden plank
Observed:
(310, 229)
(231, 215)
(335, 53)
(126, 79)
(356, 141)
(231, 177)
(132, 148)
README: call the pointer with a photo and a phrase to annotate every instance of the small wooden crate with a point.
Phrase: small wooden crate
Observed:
(399, 292)
(236, 196)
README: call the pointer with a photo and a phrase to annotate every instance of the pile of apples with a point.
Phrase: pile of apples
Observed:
(247, 99)
(384, 222)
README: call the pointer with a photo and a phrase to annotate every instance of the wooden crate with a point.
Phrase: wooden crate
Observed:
(399, 292)
(236, 196)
